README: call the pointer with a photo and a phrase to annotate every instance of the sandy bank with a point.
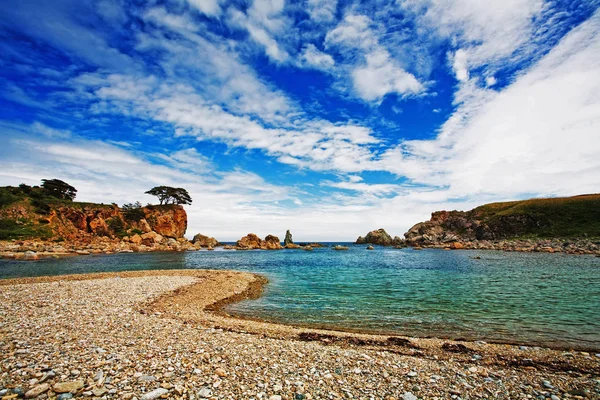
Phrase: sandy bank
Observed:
(128, 333)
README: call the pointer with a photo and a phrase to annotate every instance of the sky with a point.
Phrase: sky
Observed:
(330, 118)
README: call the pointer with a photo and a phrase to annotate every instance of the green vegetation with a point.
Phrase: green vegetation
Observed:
(58, 189)
(577, 216)
(133, 211)
(10, 229)
(170, 195)
(118, 226)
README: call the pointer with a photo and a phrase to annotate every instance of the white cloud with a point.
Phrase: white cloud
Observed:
(525, 139)
(377, 73)
(485, 33)
(381, 76)
(322, 11)
(315, 58)
(211, 8)
(264, 21)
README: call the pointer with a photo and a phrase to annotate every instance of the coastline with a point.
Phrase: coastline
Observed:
(183, 309)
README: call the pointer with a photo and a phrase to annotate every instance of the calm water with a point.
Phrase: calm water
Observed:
(527, 298)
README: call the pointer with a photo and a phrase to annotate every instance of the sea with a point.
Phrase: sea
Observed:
(530, 299)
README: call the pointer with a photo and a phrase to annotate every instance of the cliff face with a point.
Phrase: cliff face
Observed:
(84, 221)
(572, 217)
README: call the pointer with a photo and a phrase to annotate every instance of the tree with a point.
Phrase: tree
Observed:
(170, 195)
(59, 189)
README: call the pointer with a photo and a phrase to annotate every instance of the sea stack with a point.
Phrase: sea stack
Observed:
(288, 238)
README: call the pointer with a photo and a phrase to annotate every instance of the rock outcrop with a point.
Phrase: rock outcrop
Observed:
(271, 243)
(249, 242)
(381, 238)
(201, 240)
(253, 242)
(288, 238)
(567, 224)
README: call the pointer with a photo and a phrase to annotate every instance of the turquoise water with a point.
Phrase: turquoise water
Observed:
(526, 298)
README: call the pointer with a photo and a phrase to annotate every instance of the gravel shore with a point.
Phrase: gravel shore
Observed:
(162, 334)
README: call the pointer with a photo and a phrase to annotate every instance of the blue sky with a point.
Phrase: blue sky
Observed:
(329, 118)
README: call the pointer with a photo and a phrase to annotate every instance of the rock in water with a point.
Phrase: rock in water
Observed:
(204, 241)
(155, 394)
(250, 241)
(340, 247)
(271, 243)
(288, 238)
(379, 237)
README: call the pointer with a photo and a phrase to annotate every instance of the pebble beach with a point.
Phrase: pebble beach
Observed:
(163, 334)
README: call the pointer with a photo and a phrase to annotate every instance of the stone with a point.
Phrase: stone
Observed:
(30, 255)
(64, 396)
(220, 372)
(379, 237)
(136, 239)
(146, 378)
(71, 387)
(204, 241)
(155, 394)
(340, 247)
(275, 396)
(370, 248)
(98, 392)
(204, 393)
(271, 243)
(36, 391)
(250, 241)
(411, 374)
(288, 238)
(409, 396)
(47, 375)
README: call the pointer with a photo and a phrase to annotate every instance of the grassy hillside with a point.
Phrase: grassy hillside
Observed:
(32, 205)
(577, 216)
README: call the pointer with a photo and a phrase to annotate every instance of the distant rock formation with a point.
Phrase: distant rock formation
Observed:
(381, 238)
(271, 243)
(201, 240)
(288, 238)
(253, 242)
(340, 247)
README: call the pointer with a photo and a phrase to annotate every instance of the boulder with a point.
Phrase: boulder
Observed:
(250, 241)
(379, 237)
(288, 238)
(204, 241)
(271, 243)
(340, 247)
(136, 239)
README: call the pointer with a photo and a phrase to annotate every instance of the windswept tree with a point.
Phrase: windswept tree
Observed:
(59, 189)
(170, 195)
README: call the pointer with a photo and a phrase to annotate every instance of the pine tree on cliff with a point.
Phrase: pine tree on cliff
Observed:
(170, 195)
(59, 189)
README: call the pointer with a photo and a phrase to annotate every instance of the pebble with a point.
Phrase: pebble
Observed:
(204, 393)
(155, 394)
(71, 387)
(192, 360)
(409, 396)
(547, 385)
(36, 391)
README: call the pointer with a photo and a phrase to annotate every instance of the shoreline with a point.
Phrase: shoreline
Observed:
(208, 309)
(144, 313)
(34, 249)
(253, 289)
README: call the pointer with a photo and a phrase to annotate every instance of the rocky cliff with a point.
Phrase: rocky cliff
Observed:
(536, 223)
(70, 221)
